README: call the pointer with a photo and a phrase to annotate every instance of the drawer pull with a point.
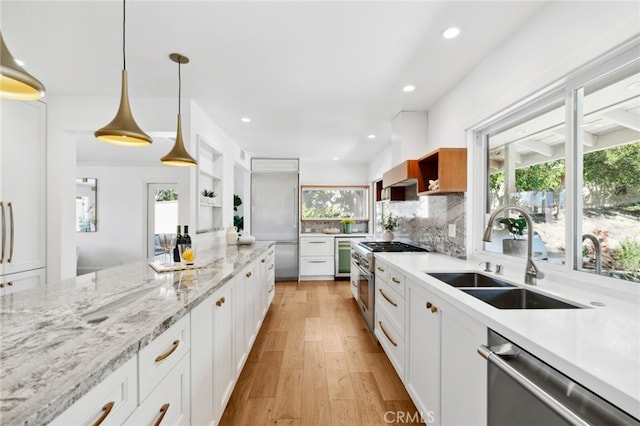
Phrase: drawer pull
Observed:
(264, 260)
(248, 274)
(105, 412)
(176, 343)
(387, 334)
(271, 289)
(429, 305)
(1, 285)
(220, 301)
(316, 242)
(380, 269)
(270, 267)
(163, 411)
(387, 298)
(395, 280)
(317, 261)
(10, 283)
(270, 253)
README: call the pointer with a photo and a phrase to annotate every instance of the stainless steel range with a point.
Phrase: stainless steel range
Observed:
(363, 272)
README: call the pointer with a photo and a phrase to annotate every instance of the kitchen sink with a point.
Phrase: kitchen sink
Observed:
(469, 279)
(518, 298)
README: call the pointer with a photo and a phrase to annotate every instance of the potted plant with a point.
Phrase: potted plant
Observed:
(238, 221)
(515, 245)
(389, 223)
(347, 224)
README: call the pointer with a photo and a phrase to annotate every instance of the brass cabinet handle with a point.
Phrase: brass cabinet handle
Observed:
(163, 411)
(220, 301)
(264, 260)
(270, 267)
(11, 241)
(380, 269)
(176, 343)
(105, 412)
(429, 305)
(387, 298)
(10, 283)
(4, 232)
(271, 289)
(387, 334)
(395, 280)
(270, 253)
(248, 274)
(316, 242)
(317, 261)
(1, 285)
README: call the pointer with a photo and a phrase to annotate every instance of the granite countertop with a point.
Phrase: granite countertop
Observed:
(60, 340)
(599, 347)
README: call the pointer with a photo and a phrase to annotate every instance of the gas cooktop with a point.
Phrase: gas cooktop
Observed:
(390, 246)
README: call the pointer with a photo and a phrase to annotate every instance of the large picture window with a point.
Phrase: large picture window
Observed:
(571, 159)
(335, 202)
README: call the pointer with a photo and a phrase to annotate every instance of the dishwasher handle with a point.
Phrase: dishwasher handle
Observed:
(508, 351)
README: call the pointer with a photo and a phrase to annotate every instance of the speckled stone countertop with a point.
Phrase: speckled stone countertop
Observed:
(60, 340)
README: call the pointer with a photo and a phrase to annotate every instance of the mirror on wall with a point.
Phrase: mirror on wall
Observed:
(86, 195)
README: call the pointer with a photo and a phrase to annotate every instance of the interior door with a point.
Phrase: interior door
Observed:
(162, 214)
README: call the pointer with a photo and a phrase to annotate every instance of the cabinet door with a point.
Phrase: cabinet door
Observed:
(111, 401)
(240, 311)
(23, 184)
(423, 351)
(464, 372)
(252, 294)
(169, 403)
(223, 366)
(316, 246)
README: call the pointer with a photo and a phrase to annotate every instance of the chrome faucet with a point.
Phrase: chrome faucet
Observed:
(598, 254)
(531, 272)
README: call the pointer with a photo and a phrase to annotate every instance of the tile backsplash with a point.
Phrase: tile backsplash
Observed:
(428, 221)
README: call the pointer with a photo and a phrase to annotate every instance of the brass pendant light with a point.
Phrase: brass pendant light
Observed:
(178, 156)
(15, 82)
(123, 129)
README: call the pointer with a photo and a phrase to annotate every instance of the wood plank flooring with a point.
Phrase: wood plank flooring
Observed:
(315, 362)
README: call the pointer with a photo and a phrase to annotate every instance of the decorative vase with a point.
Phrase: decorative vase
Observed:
(346, 228)
(387, 235)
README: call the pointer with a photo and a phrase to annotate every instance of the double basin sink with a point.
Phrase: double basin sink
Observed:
(498, 293)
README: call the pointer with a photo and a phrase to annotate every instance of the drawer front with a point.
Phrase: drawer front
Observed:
(112, 400)
(169, 403)
(382, 270)
(389, 300)
(396, 280)
(316, 246)
(159, 356)
(320, 265)
(390, 341)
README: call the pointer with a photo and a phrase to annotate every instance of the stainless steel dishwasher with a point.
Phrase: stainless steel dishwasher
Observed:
(523, 390)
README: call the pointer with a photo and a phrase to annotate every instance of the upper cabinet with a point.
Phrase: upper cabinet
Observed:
(447, 166)
(399, 183)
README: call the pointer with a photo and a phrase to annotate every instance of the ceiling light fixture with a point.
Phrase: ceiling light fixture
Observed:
(451, 32)
(15, 82)
(371, 136)
(178, 156)
(409, 88)
(123, 129)
(336, 158)
(245, 120)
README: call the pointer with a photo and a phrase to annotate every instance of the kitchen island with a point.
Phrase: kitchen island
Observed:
(60, 340)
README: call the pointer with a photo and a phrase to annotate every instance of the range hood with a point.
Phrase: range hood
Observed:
(404, 174)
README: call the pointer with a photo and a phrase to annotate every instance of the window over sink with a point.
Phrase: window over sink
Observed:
(334, 202)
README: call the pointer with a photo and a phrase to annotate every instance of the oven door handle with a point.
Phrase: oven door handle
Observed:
(543, 396)
(362, 271)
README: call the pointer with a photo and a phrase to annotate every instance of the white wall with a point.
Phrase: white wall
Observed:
(333, 173)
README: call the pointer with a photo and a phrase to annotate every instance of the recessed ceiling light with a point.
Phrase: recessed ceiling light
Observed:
(371, 136)
(451, 32)
(245, 120)
(336, 158)
(409, 88)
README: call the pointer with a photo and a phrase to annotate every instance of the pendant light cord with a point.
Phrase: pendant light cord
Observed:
(179, 85)
(124, 18)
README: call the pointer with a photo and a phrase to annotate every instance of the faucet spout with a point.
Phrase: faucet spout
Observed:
(598, 251)
(531, 272)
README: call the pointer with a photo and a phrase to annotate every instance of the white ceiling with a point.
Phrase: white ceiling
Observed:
(315, 77)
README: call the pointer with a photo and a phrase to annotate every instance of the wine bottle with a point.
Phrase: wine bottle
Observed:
(176, 250)
(186, 239)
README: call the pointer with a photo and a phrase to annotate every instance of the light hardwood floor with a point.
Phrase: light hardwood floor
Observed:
(315, 362)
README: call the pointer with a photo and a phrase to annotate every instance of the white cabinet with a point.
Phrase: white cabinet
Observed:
(22, 189)
(252, 291)
(422, 377)
(317, 257)
(21, 281)
(390, 314)
(240, 312)
(109, 403)
(209, 177)
(169, 403)
(212, 355)
(267, 278)
(444, 372)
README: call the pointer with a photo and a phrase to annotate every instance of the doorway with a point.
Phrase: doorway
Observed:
(162, 214)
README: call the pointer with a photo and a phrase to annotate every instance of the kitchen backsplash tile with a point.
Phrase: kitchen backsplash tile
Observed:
(427, 221)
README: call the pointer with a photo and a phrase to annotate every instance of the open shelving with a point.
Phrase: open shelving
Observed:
(449, 166)
(209, 178)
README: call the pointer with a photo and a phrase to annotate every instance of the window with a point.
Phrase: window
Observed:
(571, 158)
(335, 202)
